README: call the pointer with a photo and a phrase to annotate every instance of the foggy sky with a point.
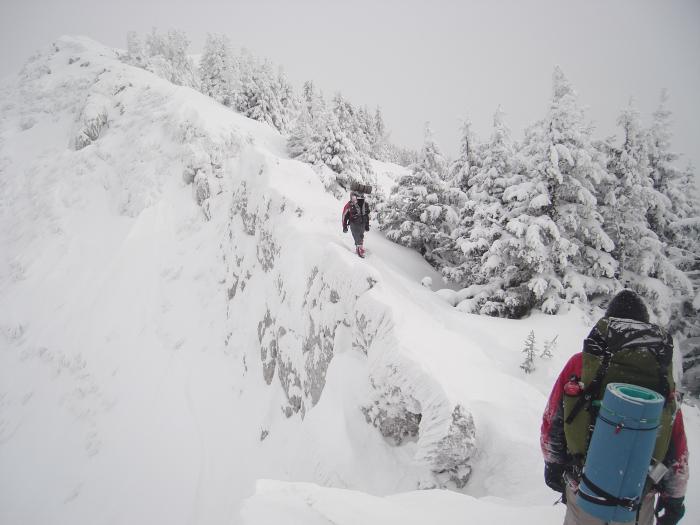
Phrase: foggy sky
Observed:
(439, 60)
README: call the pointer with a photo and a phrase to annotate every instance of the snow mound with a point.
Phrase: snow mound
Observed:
(304, 504)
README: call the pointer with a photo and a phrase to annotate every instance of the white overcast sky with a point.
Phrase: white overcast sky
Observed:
(425, 60)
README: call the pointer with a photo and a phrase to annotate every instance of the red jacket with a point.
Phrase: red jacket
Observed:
(553, 440)
(360, 216)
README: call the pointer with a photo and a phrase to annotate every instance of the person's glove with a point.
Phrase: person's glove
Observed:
(345, 229)
(672, 508)
(554, 476)
(367, 227)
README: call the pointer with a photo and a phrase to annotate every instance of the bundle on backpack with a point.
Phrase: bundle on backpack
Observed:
(360, 188)
(619, 351)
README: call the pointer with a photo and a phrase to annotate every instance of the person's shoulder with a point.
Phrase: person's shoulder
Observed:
(574, 363)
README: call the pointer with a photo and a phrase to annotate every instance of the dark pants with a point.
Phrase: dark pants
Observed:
(358, 232)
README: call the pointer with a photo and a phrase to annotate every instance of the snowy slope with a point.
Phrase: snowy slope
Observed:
(180, 316)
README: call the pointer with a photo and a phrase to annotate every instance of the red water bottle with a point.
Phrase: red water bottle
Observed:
(573, 387)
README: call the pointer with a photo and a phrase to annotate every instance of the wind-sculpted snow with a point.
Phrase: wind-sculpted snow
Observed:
(301, 328)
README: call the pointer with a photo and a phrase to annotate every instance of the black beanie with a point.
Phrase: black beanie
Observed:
(628, 305)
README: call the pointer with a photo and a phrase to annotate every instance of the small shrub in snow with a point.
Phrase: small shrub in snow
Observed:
(530, 351)
(549, 348)
(93, 119)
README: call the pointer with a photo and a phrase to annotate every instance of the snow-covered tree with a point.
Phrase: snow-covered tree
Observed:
(464, 166)
(330, 137)
(552, 247)
(675, 219)
(482, 217)
(461, 172)
(264, 96)
(305, 140)
(416, 214)
(217, 71)
(350, 122)
(166, 56)
(135, 52)
(381, 148)
(338, 151)
(569, 168)
(675, 210)
(641, 254)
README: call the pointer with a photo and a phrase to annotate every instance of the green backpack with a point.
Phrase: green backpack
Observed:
(620, 351)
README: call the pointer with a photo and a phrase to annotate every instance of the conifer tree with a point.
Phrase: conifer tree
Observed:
(306, 139)
(482, 216)
(568, 169)
(643, 264)
(264, 96)
(166, 56)
(416, 214)
(217, 70)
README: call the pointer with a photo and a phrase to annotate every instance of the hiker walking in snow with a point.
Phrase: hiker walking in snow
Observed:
(356, 215)
(626, 349)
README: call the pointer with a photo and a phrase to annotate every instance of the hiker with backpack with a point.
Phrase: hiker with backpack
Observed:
(356, 215)
(623, 349)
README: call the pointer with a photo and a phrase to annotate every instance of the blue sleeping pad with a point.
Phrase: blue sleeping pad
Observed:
(620, 452)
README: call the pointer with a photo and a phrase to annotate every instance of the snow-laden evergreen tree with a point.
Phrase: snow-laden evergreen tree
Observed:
(676, 221)
(514, 248)
(339, 152)
(568, 169)
(217, 71)
(675, 213)
(461, 172)
(641, 254)
(482, 218)
(552, 248)
(163, 54)
(166, 56)
(367, 127)
(464, 166)
(416, 214)
(264, 96)
(135, 52)
(380, 147)
(306, 139)
(350, 123)
(319, 135)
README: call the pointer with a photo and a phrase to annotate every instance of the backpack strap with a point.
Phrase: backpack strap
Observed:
(592, 391)
(606, 499)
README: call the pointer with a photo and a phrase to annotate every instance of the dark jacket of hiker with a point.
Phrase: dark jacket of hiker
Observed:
(356, 215)
(629, 318)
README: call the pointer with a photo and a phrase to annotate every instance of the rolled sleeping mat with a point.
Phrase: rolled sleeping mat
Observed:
(620, 452)
(360, 188)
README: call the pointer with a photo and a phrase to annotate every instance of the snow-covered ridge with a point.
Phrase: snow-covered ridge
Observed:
(180, 316)
(143, 224)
